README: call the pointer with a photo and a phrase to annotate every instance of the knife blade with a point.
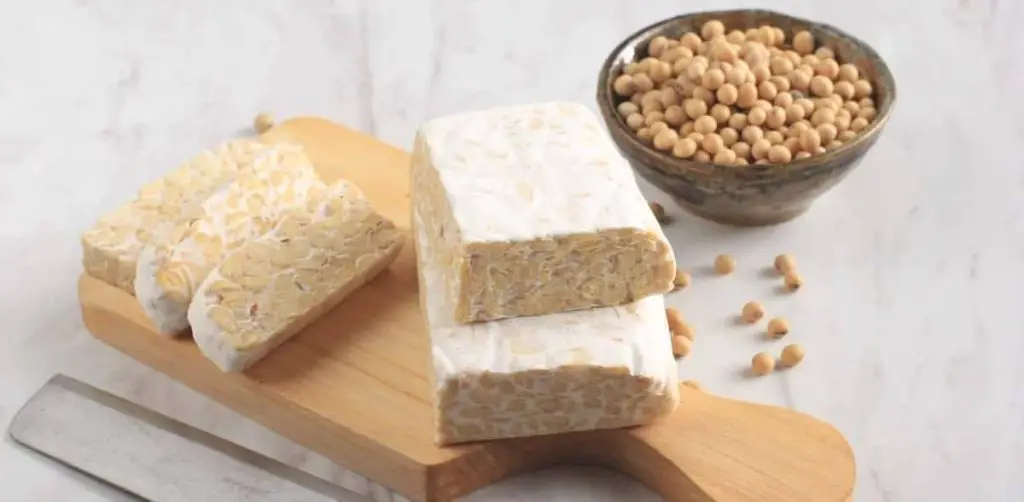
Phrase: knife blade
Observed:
(153, 456)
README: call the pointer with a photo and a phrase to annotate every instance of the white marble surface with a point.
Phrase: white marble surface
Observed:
(912, 313)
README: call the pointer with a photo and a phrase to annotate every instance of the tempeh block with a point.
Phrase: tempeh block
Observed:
(527, 376)
(534, 212)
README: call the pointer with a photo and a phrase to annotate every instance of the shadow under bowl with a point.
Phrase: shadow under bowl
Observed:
(750, 195)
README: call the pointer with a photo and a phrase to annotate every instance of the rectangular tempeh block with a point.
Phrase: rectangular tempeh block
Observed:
(271, 287)
(528, 376)
(163, 208)
(168, 274)
(533, 211)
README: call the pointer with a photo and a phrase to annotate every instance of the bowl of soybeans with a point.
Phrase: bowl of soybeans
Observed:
(744, 117)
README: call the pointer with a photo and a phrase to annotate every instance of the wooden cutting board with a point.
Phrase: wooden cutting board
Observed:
(353, 386)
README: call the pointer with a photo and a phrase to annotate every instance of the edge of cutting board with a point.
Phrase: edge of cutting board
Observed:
(354, 386)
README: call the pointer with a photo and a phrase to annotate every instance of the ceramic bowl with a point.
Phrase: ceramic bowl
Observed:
(751, 195)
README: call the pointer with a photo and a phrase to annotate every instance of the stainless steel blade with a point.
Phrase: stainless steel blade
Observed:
(153, 456)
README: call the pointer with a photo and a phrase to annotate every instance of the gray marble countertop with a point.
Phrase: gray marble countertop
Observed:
(912, 313)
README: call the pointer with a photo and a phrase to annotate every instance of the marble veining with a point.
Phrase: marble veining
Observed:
(914, 265)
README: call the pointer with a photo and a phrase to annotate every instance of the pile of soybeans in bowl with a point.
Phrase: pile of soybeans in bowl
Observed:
(743, 97)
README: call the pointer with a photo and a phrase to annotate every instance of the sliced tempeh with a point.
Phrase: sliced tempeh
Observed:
(267, 290)
(162, 208)
(250, 206)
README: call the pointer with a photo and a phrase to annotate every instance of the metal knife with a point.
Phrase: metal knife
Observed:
(153, 456)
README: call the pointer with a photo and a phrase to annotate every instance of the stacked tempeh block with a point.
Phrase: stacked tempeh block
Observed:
(541, 275)
(245, 244)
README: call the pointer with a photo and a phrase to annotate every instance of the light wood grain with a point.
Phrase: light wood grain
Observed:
(354, 387)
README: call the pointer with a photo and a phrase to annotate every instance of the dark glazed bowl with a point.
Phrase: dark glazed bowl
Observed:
(752, 195)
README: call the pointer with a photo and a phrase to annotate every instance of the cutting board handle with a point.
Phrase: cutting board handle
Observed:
(711, 449)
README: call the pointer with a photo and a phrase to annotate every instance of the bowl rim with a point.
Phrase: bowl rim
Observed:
(606, 102)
